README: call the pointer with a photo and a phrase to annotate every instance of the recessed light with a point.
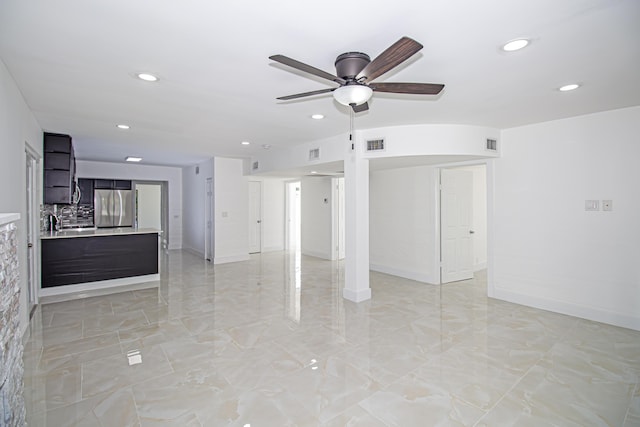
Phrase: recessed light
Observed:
(124, 127)
(514, 45)
(314, 172)
(567, 88)
(133, 159)
(317, 116)
(245, 143)
(147, 77)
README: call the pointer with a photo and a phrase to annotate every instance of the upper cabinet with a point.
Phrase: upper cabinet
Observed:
(59, 169)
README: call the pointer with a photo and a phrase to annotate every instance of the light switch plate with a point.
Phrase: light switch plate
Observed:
(591, 205)
(607, 205)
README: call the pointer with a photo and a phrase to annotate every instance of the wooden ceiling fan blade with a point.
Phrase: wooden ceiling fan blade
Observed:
(302, 95)
(410, 88)
(396, 54)
(306, 68)
(360, 108)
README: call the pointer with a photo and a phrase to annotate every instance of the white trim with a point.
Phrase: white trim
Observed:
(590, 313)
(317, 254)
(230, 258)
(193, 251)
(411, 275)
(359, 296)
(153, 280)
(480, 266)
(272, 248)
(7, 218)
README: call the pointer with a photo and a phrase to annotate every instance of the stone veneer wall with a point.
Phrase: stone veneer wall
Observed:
(12, 411)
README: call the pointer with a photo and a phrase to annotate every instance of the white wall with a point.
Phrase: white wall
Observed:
(231, 211)
(273, 213)
(403, 237)
(193, 203)
(547, 251)
(173, 175)
(18, 127)
(316, 217)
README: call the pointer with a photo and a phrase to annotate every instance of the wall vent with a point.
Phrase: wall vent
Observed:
(492, 144)
(375, 144)
(314, 154)
(254, 166)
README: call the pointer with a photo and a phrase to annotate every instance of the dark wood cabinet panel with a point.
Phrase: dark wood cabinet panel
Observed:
(86, 191)
(112, 184)
(59, 169)
(57, 143)
(69, 261)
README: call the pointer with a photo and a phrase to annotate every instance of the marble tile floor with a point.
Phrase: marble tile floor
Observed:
(271, 342)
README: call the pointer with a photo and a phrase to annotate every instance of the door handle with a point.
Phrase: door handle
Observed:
(258, 221)
(29, 245)
(471, 232)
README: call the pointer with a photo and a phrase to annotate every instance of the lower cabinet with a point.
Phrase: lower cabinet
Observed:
(68, 261)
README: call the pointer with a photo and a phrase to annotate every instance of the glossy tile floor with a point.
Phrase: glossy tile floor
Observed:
(271, 342)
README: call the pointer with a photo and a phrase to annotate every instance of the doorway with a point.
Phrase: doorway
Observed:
(293, 216)
(151, 207)
(208, 215)
(463, 222)
(32, 228)
(255, 217)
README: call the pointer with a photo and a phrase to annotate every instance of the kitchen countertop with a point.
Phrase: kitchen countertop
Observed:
(96, 232)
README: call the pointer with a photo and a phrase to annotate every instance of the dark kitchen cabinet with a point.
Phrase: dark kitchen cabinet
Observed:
(86, 191)
(59, 169)
(112, 184)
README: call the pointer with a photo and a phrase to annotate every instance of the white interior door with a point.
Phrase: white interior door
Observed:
(32, 226)
(208, 215)
(293, 211)
(456, 219)
(255, 217)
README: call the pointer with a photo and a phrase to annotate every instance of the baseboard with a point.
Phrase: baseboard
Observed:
(273, 249)
(590, 313)
(357, 296)
(411, 275)
(193, 251)
(316, 254)
(102, 287)
(230, 258)
(480, 266)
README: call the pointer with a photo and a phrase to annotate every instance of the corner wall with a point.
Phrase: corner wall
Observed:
(231, 218)
(548, 252)
(18, 127)
(193, 202)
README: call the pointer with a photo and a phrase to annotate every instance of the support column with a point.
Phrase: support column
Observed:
(356, 183)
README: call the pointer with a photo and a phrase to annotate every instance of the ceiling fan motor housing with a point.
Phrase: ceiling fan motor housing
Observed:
(349, 64)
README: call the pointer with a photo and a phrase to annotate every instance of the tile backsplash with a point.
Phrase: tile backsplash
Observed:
(70, 216)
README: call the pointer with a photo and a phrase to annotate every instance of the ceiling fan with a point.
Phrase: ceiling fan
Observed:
(355, 72)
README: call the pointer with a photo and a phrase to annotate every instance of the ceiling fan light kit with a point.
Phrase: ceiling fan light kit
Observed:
(353, 94)
(355, 72)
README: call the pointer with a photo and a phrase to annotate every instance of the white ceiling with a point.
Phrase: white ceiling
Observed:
(74, 62)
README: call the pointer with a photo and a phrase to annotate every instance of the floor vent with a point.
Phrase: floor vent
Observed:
(375, 145)
(492, 144)
(314, 154)
(254, 166)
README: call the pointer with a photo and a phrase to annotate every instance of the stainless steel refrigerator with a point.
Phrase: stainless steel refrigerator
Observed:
(113, 208)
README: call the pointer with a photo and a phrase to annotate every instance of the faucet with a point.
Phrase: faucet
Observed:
(54, 221)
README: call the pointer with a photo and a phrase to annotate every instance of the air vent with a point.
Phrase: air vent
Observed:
(314, 154)
(254, 166)
(375, 145)
(492, 144)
